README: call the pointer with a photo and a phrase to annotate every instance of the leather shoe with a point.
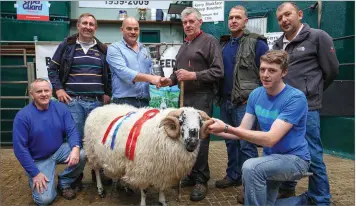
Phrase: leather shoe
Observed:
(67, 193)
(285, 194)
(241, 199)
(104, 179)
(199, 192)
(227, 182)
(77, 185)
(187, 182)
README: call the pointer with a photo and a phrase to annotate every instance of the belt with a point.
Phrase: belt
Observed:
(87, 97)
(132, 98)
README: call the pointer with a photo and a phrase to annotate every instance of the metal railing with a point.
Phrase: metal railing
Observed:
(29, 66)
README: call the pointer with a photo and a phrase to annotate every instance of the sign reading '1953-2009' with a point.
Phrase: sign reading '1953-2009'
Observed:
(126, 4)
(32, 10)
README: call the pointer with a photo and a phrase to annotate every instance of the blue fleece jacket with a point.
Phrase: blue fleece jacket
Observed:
(38, 134)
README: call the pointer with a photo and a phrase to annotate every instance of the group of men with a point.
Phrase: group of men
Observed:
(282, 89)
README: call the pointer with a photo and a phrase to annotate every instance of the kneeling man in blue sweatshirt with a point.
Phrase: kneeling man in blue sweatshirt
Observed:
(44, 135)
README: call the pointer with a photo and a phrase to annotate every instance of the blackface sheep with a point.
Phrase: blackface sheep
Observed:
(144, 147)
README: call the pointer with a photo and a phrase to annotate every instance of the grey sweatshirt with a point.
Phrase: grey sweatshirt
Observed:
(204, 55)
(312, 63)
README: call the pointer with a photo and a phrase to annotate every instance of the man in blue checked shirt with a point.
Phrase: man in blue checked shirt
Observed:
(131, 65)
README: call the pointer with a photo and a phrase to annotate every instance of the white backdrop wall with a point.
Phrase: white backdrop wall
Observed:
(110, 33)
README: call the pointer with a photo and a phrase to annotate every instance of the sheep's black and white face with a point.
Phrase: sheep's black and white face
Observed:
(190, 123)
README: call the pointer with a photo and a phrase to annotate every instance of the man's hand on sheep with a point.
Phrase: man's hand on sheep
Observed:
(63, 96)
(39, 183)
(220, 129)
(106, 99)
(73, 157)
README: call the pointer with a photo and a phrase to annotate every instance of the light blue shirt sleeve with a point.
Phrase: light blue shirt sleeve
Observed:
(118, 64)
(294, 110)
(250, 107)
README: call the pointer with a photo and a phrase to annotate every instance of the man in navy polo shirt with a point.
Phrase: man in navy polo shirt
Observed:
(241, 55)
(80, 75)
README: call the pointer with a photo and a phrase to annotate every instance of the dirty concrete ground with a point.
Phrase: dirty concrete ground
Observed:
(14, 189)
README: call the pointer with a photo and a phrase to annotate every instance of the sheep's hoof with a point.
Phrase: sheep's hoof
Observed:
(164, 204)
(101, 193)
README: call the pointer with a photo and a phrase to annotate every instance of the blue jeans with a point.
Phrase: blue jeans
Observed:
(80, 109)
(48, 167)
(238, 151)
(262, 176)
(139, 103)
(318, 188)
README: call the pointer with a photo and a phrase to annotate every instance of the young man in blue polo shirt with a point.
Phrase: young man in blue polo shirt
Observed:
(281, 111)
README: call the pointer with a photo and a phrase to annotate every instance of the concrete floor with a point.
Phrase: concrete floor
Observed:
(14, 189)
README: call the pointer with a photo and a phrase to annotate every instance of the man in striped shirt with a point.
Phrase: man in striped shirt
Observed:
(79, 72)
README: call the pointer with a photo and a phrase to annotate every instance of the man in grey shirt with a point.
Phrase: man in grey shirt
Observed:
(312, 66)
(200, 66)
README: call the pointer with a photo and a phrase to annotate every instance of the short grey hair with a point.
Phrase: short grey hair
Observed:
(30, 87)
(238, 7)
(191, 10)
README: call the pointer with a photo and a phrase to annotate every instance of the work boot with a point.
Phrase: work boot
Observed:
(227, 182)
(77, 185)
(187, 182)
(241, 198)
(104, 179)
(199, 192)
(67, 193)
(285, 193)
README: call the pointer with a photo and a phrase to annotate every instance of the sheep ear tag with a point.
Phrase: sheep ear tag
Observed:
(135, 132)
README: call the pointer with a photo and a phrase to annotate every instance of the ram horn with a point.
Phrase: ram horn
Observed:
(203, 115)
(171, 124)
(204, 128)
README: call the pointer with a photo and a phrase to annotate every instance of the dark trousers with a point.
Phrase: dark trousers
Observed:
(318, 188)
(133, 101)
(238, 151)
(204, 102)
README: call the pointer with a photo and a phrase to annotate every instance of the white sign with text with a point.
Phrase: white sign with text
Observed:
(125, 4)
(46, 50)
(211, 11)
(44, 54)
(272, 38)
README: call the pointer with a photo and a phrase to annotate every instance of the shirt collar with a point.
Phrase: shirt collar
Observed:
(84, 43)
(187, 40)
(234, 38)
(285, 40)
(140, 45)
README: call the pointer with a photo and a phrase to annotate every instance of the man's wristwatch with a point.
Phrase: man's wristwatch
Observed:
(225, 129)
(77, 146)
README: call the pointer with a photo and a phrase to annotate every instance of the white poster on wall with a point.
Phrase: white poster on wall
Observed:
(168, 59)
(211, 11)
(45, 51)
(257, 25)
(125, 4)
(44, 54)
(272, 37)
